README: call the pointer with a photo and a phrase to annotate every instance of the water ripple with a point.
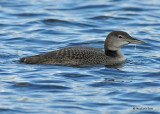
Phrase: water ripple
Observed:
(57, 22)
(35, 27)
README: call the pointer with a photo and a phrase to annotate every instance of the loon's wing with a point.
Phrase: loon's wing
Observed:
(71, 55)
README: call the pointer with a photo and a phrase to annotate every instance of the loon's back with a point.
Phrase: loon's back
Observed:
(69, 56)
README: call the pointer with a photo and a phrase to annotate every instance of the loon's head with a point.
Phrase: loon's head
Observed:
(117, 39)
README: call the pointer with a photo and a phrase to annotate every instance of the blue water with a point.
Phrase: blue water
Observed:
(30, 27)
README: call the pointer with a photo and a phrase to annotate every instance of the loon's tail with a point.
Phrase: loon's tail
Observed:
(30, 60)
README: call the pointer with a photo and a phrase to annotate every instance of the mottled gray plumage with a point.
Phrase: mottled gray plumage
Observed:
(87, 55)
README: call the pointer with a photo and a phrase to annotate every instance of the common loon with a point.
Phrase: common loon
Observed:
(83, 55)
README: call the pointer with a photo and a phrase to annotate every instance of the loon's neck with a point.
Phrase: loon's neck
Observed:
(114, 53)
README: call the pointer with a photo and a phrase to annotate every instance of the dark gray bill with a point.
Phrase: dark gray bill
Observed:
(135, 41)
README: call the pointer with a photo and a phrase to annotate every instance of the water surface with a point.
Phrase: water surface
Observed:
(37, 26)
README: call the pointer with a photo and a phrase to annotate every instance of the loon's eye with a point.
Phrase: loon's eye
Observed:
(120, 36)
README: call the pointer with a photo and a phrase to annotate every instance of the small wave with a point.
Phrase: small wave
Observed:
(57, 22)
(30, 86)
